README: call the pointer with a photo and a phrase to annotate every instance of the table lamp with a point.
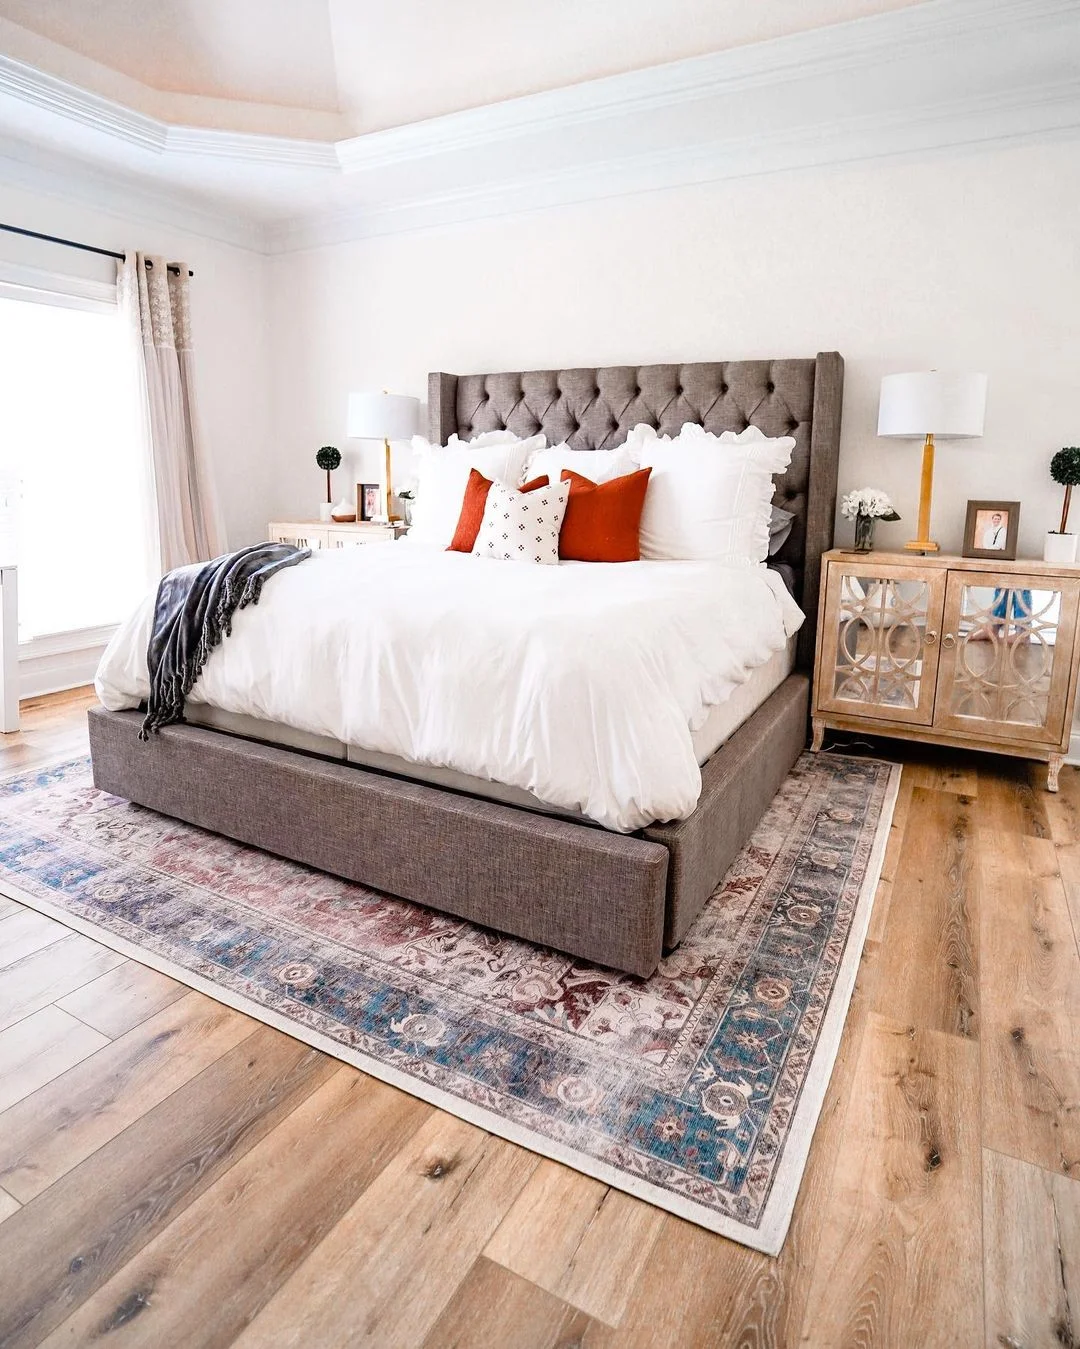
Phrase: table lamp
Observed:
(931, 403)
(386, 417)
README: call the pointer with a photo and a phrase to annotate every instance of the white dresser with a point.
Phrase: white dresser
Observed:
(316, 534)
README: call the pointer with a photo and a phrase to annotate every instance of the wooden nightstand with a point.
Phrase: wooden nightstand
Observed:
(316, 534)
(949, 650)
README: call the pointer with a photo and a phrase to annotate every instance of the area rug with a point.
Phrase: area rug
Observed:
(697, 1089)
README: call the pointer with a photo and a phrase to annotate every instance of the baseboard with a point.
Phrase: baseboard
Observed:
(60, 661)
(1073, 755)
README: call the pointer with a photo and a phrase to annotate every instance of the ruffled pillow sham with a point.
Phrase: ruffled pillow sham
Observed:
(710, 497)
(442, 475)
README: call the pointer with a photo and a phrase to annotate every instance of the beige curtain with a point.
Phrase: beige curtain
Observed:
(156, 301)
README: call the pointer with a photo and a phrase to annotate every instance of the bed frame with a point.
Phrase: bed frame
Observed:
(618, 900)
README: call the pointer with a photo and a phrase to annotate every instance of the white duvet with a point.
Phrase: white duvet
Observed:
(580, 682)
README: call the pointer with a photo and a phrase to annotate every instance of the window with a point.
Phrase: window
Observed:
(74, 476)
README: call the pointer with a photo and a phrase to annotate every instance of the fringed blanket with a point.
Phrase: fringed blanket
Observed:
(193, 612)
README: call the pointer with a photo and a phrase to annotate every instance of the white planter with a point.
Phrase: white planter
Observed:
(325, 510)
(1060, 549)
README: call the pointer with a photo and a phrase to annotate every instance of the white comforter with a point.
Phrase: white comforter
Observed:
(580, 683)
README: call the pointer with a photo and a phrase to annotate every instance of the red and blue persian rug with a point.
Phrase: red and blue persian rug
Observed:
(697, 1089)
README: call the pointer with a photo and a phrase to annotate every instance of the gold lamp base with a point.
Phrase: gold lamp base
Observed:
(924, 543)
(393, 519)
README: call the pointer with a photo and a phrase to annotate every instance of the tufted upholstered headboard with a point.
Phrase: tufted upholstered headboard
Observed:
(595, 409)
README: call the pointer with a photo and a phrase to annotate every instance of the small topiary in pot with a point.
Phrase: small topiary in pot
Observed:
(1065, 470)
(1059, 546)
(328, 458)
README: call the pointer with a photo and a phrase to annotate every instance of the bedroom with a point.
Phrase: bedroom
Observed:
(735, 223)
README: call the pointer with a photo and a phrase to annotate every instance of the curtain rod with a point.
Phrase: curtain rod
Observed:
(72, 243)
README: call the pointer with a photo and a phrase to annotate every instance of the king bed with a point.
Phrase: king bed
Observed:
(607, 875)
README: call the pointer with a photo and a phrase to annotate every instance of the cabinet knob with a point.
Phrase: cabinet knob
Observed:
(930, 638)
(948, 640)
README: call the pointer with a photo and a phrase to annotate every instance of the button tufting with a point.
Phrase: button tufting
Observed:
(770, 387)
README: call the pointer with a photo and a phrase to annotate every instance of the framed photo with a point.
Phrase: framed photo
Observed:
(369, 503)
(991, 529)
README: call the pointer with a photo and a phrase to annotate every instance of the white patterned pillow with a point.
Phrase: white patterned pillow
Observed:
(522, 526)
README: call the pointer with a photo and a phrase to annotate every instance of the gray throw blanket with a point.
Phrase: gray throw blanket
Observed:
(193, 612)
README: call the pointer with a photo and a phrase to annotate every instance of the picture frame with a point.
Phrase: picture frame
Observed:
(991, 530)
(368, 501)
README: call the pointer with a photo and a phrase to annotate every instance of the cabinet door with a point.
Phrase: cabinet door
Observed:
(1006, 659)
(300, 536)
(880, 641)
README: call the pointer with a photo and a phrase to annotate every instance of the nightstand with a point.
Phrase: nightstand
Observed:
(316, 534)
(949, 650)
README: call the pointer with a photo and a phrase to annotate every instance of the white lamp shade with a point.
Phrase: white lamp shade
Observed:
(382, 416)
(932, 403)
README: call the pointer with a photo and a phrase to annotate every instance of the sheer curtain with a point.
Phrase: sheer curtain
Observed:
(155, 301)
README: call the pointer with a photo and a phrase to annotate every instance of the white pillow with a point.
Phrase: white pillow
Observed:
(442, 474)
(522, 526)
(596, 465)
(709, 497)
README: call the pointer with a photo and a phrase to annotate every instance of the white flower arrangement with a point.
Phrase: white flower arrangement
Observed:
(869, 501)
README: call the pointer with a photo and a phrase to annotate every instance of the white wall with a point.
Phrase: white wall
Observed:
(229, 307)
(965, 261)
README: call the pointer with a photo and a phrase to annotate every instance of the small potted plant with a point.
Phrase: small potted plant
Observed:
(866, 506)
(328, 458)
(1060, 545)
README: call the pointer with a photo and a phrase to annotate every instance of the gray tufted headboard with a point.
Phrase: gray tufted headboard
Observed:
(595, 409)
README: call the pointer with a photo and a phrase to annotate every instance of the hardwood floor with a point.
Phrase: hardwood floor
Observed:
(174, 1173)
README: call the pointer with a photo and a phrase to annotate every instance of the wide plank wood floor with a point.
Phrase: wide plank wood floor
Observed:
(173, 1173)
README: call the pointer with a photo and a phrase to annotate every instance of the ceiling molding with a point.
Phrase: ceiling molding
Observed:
(819, 51)
(244, 147)
(972, 125)
(927, 77)
(126, 200)
(56, 96)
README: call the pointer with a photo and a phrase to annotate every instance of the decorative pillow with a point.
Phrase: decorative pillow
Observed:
(710, 497)
(598, 466)
(522, 526)
(442, 474)
(603, 520)
(472, 509)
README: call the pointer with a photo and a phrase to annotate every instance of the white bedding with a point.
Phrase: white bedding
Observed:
(580, 683)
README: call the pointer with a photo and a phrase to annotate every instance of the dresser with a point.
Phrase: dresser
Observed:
(316, 534)
(949, 650)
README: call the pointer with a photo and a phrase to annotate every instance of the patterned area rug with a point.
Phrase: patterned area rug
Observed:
(697, 1089)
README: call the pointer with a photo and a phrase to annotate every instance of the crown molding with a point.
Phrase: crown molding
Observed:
(818, 51)
(125, 199)
(52, 95)
(971, 126)
(859, 90)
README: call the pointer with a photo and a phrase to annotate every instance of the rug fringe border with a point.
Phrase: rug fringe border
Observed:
(768, 1237)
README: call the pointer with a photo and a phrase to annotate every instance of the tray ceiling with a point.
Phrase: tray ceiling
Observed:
(381, 65)
(915, 78)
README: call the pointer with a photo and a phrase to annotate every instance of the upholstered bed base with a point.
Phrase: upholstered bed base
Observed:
(609, 898)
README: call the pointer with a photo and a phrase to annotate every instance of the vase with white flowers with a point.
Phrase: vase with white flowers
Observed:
(866, 506)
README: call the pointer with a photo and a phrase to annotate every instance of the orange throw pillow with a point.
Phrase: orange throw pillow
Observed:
(472, 509)
(603, 520)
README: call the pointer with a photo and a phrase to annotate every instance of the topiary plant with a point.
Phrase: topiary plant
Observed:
(1065, 469)
(329, 458)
